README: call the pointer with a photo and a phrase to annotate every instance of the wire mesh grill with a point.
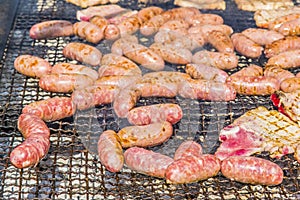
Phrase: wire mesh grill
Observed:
(69, 171)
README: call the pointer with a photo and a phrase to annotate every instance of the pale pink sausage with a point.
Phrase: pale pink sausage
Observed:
(250, 70)
(282, 45)
(277, 72)
(70, 68)
(205, 18)
(277, 22)
(120, 81)
(290, 84)
(262, 36)
(175, 25)
(286, 60)
(129, 25)
(188, 148)
(118, 45)
(220, 41)
(88, 31)
(205, 29)
(246, 46)
(151, 26)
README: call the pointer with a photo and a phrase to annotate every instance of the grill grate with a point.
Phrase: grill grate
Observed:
(70, 172)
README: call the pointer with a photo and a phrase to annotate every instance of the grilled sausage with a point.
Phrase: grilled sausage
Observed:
(254, 85)
(110, 151)
(192, 168)
(278, 73)
(205, 29)
(219, 60)
(290, 27)
(129, 25)
(206, 90)
(82, 53)
(171, 53)
(277, 22)
(205, 18)
(246, 46)
(188, 148)
(120, 81)
(118, 45)
(62, 68)
(180, 13)
(99, 21)
(282, 45)
(65, 83)
(151, 26)
(177, 25)
(112, 32)
(145, 135)
(290, 84)
(199, 71)
(147, 162)
(220, 41)
(88, 31)
(286, 60)
(32, 66)
(51, 109)
(250, 70)
(94, 96)
(36, 144)
(252, 170)
(147, 13)
(51, 29)
(144, 115)
(262, 36)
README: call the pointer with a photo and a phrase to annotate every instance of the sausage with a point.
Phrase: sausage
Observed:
(192, 169)
(205, 18)
(147, 13)
(36, 144)
(219, 60)
(290, 27)
(51, 109)
(206, 90)
(120, 81)
(205, 29)
(290, 84)
(112, 32)
(82, 53)
(252, 170)
(144, 56)
(88, 31)
(144, 115)
(278, 73)
(99, 21)
(199, 71)
(175, 25)
(250, 70)
(254, 85)
(117, 46)
(129, 25)
(147, 162)
(172, 54)
(117, 19)
(113, 64)
(110, 151)
(188, 148)
(180, 13)
(286, 60)
(277, 22)
(32, 66)
(151, 26)
(282, 45)
(70, 68)
(145, 135)
(220, 41)
(94, 96)
(262, 36)
(65, 83)
(246, 46)
(51, 29)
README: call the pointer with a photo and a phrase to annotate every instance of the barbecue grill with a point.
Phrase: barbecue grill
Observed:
(69, 171)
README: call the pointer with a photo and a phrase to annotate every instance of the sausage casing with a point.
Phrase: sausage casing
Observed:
(88, 31)
(220, 41)
(286, 60)
(278, 73)
(282, 45)
(246, 46)
(262, 36)
(188, 148)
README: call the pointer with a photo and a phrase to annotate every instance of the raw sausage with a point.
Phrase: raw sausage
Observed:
(32, 66)
(282, 45)
(88, 31)
(188, 148)
(110, 151)
(192, 168)
(144, 115)
(147, 162)
(220, 41)
(145, 135)
(286, 60)
(51, 29)
(62, 68)
(246, 46)
(51, 109)
(252, 170)
(262, 36)
(82, 53)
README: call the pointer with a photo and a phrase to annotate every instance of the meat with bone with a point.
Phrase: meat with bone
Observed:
(143, 115)
(32, 66)
(253, 170)
(286, 59)
(110, 151)
(188, 148)
(246, 46)
(51, 109)
(259, 130)
(262, 36)
(36, 144)
(51, 29)
(288, 43)
(147, 162)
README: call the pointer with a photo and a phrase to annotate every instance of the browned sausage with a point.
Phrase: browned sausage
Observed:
(277, 22)
(36, 144)
(152, 26)
(88, 31)
(99, 21)
(192, 168)
(83, 53)
(188, 148)
(144, 115)
(254, 85)
(205, 18)
(220, 41)
(70, 68)
(205, 29)
(246, 46)
(286, 60)
(110, 151)
(117, 46)
(290, 84)
(216, 59)
(278, 73)
(262, 36)
(51, 29)
(145, 135)
(252, 170)
(286, 44)
(147, 162)
(112, 32)
(120, 81)
(129, 25)
(180, 13)
(64, 82)
(290, 27)
(175, 25)
(250, 70)
(51, 109)
(147, 13)
(199, 71)
(32, 66)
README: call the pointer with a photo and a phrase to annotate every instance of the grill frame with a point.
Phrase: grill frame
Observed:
(69, 171)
